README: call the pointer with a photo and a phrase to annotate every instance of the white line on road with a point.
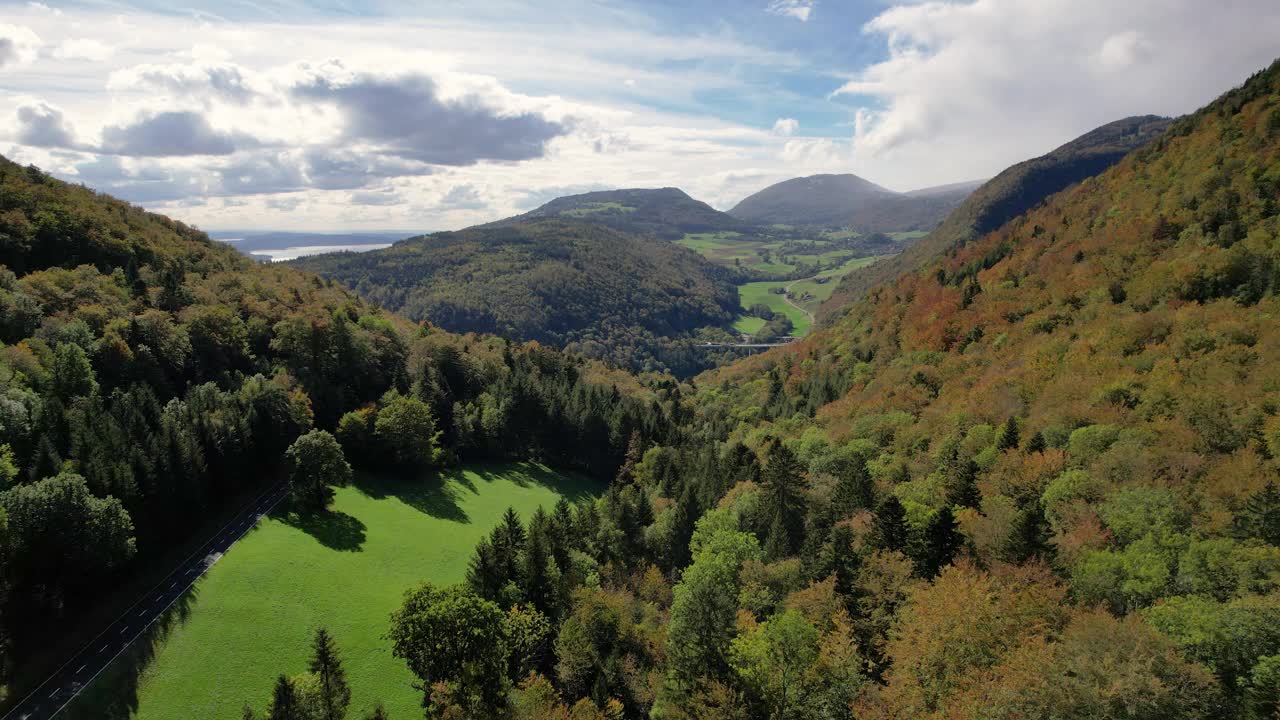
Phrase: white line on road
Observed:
(80, 670)
(103, 648)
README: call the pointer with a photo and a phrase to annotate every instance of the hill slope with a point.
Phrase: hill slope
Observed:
(567, 283)
(1096, 384)
(1004, 197)
(667, 213)
(849, 201)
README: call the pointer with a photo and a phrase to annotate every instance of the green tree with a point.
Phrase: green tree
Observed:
(8, 466)
(1260, 517)
(71, 375)
(326, 666)
(938, 544)
(61, 538)
(889, 530)
(406, 428)
(450, 636)
(285, 703)
(316, 463)
(1009, 438)
(378, 713)
(774, 661)
(782, 501)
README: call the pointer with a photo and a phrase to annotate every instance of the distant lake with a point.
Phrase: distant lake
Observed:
(292, 253)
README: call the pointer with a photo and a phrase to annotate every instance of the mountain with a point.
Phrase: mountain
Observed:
(1006, 196)
(848, 201)
(667, 213)
(1071, 426)
(563, 282)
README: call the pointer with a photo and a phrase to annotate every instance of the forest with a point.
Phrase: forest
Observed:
(634, 301)
(1034, 476)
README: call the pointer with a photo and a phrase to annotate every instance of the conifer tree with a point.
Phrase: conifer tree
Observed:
(1260, 517)
(783, 502)
(335, 694)
(635, 453)
(1009, 438)
(938, 544)
(1037, 443)
(889, 530)
(285, 704)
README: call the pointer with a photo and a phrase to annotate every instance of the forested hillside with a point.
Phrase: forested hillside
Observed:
(667, 213)
(150, 377)
(632, 300)
(1044, 466)
(1004, 197)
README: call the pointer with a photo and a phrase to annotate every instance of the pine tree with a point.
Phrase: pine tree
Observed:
(508, 541)
(484, 573)
(1009, 438)
(960, 478)
(285, 704)
(783, 502)
(889, 531)
(1037, 443)
(938, 544)
(1030, 536)
(535, 576)
(853, 491)
(842, 560)
(1260, 517)
(335, 694)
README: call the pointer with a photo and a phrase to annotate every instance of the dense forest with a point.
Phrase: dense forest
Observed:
(632, 300)
(1003, 198)
(150, 377)
(1034, 478)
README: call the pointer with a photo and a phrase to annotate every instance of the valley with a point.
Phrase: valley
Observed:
(992, 450)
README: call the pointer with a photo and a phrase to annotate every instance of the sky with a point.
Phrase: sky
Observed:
(341, 115)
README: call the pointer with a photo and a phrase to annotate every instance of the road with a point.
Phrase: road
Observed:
(786, 297)
(76, 674)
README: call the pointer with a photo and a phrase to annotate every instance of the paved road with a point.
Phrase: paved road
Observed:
(76, 674)
(786, 297)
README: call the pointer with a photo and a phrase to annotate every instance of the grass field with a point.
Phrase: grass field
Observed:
(758, 292)
(251, 616)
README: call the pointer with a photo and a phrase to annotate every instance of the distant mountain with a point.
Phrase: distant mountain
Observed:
(848, 201)
(629, 299)
(1004, 197)
(667, 213)
(276, 246)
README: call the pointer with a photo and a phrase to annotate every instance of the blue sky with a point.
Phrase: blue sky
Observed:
(331, 115)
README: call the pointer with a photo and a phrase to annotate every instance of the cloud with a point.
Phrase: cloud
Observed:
(958, 82)
(406, 117)
(83, 49)
(42, 125)
(169, 134)
(18, 45)
(798, 9)
(786, 127)
(380, 196)
(463, 197)
(204, 80)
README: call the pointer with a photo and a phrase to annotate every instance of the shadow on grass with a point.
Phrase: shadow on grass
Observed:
(334, 529)
(113, 695)
(425, 493)
(437, 493)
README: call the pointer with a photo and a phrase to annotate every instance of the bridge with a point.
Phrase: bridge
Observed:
(746, 343)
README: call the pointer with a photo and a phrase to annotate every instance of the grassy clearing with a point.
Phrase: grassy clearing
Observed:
(599, 207)
(252, 615)
(748, 324)
(758, 292)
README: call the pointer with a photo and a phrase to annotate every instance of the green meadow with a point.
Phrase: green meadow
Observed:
(252, 615)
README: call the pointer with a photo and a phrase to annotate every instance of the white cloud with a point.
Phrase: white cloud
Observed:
(798, 9)
(979, 85)
(19, 45)
(786, 127)
(83, 49)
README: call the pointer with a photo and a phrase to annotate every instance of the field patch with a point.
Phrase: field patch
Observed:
(252, 615)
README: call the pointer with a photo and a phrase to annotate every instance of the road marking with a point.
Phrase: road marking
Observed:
(54, 694)
(80, 670)
(103, 648)
(143, 611)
